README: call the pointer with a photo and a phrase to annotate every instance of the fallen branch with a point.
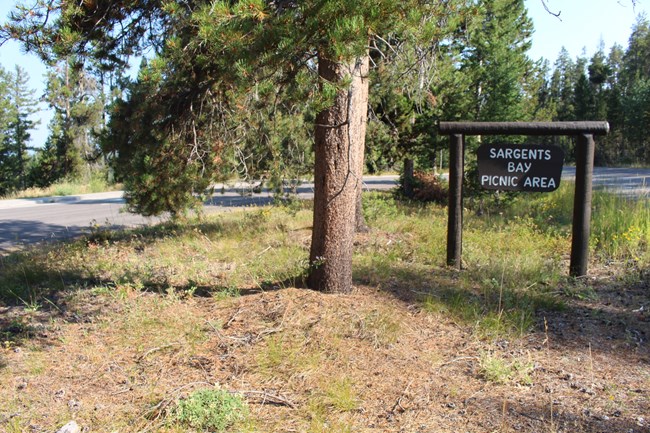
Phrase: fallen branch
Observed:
(462, 358)
(266, 397)
(398, 403)
(232, 318)
(269, 331)
(157, 349)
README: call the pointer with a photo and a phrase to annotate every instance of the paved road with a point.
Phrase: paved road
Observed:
(626, 181)
(27, 221)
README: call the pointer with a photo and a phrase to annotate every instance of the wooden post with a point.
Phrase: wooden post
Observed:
(455, 220)
(584, 175)
(582, 206)
(409, 177)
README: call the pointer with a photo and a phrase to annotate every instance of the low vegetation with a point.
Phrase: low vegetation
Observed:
(66, 188)
(202, 326)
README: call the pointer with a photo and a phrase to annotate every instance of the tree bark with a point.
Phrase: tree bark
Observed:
(339, 142)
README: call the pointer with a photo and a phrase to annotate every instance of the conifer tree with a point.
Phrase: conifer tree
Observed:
(77, 100)
(210, 55)
(14, 157)
(6, 114)
(498, 45)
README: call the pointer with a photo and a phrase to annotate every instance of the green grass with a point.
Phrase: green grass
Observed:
(620, 227)
(496, 369)
(515, 270)
(340, 395)
(514, 258)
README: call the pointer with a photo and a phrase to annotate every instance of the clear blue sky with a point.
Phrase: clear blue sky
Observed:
(582, 25)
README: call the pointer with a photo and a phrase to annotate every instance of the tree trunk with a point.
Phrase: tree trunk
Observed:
(339, 141)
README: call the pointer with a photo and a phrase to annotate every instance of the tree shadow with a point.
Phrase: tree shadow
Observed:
(579, 314)
(16, 234)
(570, 320)
(548, 414)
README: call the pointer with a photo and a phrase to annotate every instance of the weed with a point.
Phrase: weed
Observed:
(211, 410)
(13, 425)
(496, 369)
(341, 396)
(321, 421)
(16, 330)
(275, 354)
(378, 207)
(379, 328)
(227, 292)
(579, 289)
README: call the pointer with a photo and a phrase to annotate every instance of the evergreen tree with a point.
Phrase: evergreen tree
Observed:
(636, 61)
(563, 83)
(14, 156)
(635, 100)
(599, 77)
(497, 57)
(636, 105)
(584, 98)
(212, 54)
(6, 108)
(408, 96)
(6, 116)
(78, 104)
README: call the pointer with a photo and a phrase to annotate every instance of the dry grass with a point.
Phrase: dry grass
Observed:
(112, 331)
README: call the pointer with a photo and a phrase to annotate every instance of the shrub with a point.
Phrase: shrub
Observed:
(211, 410)
(430, 188)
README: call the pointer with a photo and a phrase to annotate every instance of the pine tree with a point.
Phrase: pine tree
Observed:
(14, 156)
(634, 80)
(212, 54)
(563, 83)
(77, 100)
(6, 115)
(497, 56)
(636, 60)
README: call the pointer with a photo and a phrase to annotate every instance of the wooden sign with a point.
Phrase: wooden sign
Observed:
(525, 167)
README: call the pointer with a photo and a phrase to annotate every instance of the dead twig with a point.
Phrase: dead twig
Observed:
(232, 318)
(462, 358)
(266, 398)
(265, 250)
(529, 416)
(156, 349)
(398, 403)
(269, 331)
(555, 14)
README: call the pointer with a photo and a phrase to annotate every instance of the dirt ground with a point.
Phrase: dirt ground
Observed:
(371, 361)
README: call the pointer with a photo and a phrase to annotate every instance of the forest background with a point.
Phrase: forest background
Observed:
(476, 70)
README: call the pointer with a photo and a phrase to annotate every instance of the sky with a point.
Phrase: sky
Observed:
(582, 25)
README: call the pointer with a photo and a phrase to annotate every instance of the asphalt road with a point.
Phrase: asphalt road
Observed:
(634, 182)
(27, 221)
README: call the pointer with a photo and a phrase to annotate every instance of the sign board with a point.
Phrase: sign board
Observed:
(524, 167)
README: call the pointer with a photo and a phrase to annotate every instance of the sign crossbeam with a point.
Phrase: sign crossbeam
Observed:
(523, 128)
(583, 131)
